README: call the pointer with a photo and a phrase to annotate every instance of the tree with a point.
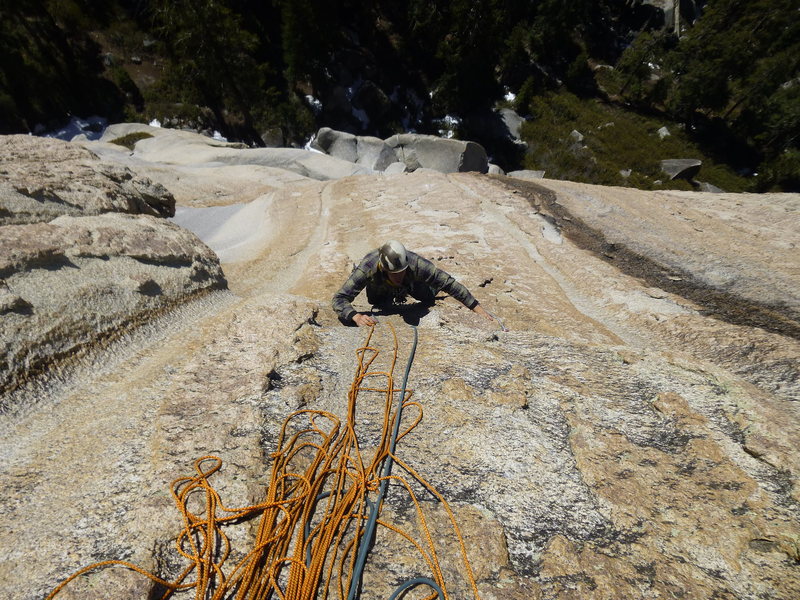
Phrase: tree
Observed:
(211, 58)
(49, 67)
(741, 64)
(637, 63)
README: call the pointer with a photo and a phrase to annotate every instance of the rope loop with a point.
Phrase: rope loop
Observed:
(318, 519)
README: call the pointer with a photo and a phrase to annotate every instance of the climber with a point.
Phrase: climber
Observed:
(389, 274)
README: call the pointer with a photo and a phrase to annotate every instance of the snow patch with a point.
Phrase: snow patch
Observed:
(309, 147)
(92, 127)
(449, 124)
(314, 104)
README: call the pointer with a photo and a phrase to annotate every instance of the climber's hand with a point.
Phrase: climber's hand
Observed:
(364, 320)
(480, 311)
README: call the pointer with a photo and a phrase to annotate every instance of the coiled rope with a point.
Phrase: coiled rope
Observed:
(317, 522)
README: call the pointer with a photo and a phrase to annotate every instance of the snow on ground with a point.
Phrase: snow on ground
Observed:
(92, 127)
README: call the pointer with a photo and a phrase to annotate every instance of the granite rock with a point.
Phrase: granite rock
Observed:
(43, 178)
(438, 154)
(73, 282)
(526, 174)
(183, 148)
(368, 151)
(681, 168)
(632, 434)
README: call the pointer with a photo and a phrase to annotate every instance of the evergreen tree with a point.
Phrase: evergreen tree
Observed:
(211, 58)
(49, 67)
(741, 64)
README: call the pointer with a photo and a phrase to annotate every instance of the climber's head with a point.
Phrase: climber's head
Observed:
(393, 257)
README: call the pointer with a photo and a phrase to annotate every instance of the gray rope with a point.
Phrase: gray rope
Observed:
(368, 538)
(414, 583)
(499, 322)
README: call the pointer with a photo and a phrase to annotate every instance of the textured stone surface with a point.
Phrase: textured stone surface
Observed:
(175, 147)
(370, 152)
(681, 168)
(395, 168)
(338, 144)
(375, 153)
(438, 154)
(526, 174)
(633, 434)
(43, 178)
(103, 460)
(77, 280)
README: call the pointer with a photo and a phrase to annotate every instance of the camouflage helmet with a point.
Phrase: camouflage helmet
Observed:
(393, 257)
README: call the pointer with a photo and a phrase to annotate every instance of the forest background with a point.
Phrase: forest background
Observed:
(594, 80)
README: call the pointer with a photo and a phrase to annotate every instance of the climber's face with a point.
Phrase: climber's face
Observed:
(397, 278)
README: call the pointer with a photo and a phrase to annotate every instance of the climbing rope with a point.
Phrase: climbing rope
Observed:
(374, 508)
(499, 322)
(317, 522)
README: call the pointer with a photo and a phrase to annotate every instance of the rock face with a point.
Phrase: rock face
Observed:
(414, 151)
(633, 434)
(339, 144)
(681, 168)
(70, 281)
(371, 152)
(438, 154)
(526, 174)
(175, 147)
(42, 178)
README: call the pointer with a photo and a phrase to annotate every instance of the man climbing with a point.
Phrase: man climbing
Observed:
(391, 273)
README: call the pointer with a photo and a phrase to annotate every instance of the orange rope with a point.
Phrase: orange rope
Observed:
(315, 506)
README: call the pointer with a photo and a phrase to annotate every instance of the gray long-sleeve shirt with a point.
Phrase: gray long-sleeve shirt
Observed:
(367, 273)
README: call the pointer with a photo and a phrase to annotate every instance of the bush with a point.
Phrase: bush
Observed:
(781, 173)
(123, 81)
(129, 141)
(614, 139)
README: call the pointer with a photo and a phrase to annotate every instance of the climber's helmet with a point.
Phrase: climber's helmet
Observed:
(393, 257)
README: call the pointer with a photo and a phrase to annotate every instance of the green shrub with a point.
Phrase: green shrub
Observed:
(781, 173)
(614, 139)
(129, 141)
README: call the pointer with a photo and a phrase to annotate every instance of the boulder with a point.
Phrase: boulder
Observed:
(371, 152)
(338, 144)
(495, 170)
(374, 153)
(704, 186)
(44, 178)
(681, 168)
(273, 137)
(576, 136)
(72, 282)
(443, 155)
(118, 130)
(396, 167)
(308, 164)
(526, 174)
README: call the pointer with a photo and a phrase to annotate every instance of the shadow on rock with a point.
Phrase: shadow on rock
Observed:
(410, 313)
